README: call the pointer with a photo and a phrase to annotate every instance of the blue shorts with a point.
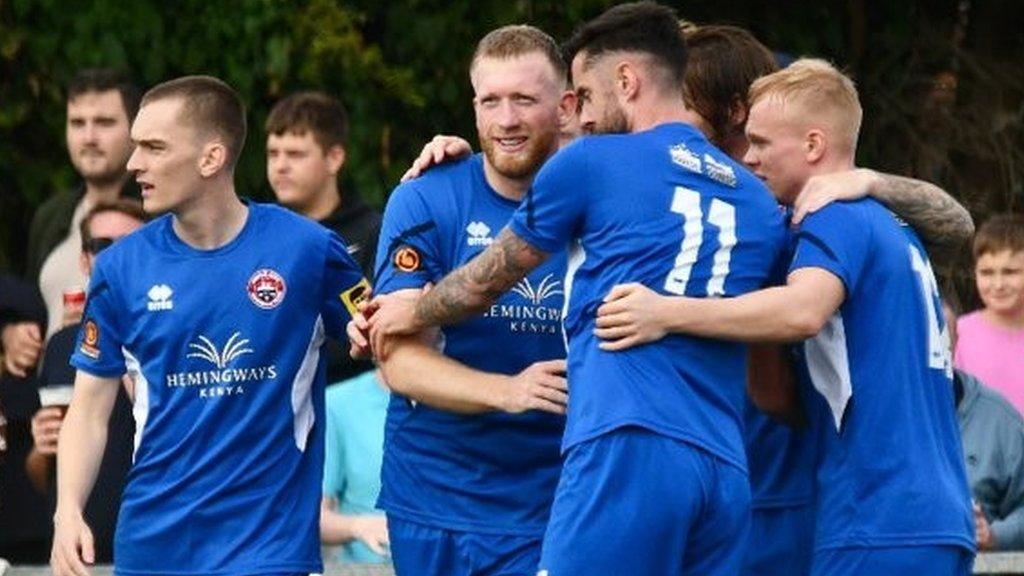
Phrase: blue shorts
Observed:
(420, 550)
(930, 560)
(781, 541)
(635, 502)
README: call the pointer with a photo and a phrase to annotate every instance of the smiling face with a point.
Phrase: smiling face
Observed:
(777, 148)
(1000, 279)
(97, 135)
(517, 117)
(166, 158)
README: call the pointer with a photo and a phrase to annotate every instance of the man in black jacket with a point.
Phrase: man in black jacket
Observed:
(307, 133)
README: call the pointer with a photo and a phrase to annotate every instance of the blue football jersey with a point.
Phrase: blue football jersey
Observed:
(224, 348)
(781, 458)
(891, 470)
(666, 209)
(493, 473)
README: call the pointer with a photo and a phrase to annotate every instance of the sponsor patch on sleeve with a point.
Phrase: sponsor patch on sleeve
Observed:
(90, 340)
(355, 296)
(407, 259)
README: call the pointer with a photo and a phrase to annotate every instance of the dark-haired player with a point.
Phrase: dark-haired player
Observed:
(654, 478)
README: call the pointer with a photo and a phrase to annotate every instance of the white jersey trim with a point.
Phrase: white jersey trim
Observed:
(140, 403)
(829, 366)
(302, 387)
(577, 256)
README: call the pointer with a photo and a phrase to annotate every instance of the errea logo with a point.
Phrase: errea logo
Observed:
(160, 298)
(479, 234)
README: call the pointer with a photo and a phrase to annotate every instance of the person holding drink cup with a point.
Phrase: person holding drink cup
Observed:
(100, 228)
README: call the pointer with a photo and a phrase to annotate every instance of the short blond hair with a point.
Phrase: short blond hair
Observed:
(823, 93)
(518, 40)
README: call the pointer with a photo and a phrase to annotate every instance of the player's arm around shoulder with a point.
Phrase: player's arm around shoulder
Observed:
(944, 225)
(83, 438)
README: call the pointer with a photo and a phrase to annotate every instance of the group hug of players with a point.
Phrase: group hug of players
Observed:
(563, 323)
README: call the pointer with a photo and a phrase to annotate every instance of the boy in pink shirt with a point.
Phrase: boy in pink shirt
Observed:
(991, 343)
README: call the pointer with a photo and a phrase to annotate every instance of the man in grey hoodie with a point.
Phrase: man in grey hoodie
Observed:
(992, 432)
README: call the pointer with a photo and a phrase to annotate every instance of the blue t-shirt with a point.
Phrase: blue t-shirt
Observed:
(492, 473)
(668, 210)
(781, 457)
(356, 409)
(224, 347)
(891, 469)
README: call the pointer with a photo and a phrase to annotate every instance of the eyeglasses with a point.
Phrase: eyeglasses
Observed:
(96, 245)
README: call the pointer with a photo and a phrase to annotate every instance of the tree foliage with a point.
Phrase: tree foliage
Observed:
(401, 69)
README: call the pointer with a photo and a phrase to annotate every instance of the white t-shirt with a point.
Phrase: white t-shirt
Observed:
(61, 271)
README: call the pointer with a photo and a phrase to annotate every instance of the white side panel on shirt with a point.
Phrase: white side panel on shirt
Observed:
(577, 256)
(140, 407)
(829, 366)
(302, 387)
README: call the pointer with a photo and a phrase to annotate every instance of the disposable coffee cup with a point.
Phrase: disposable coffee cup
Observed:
(56, 396)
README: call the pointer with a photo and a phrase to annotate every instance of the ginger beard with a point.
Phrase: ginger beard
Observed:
(525, 161)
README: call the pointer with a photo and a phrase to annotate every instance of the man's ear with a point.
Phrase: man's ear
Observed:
(567, 109)
(815, 145)
(627, 81)
(335, 158)
(738, 113)
(213, 159)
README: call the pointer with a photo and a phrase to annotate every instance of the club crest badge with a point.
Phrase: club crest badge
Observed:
(90, 339)
(266, 288)
(407, 259)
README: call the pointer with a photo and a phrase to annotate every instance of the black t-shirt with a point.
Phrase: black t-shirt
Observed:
(359, 226)
(105, 500)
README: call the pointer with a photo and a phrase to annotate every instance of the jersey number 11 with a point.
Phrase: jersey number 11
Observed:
(722, 216)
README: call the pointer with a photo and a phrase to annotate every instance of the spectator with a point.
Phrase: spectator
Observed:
(356, 410)
(100, 107)
(993, 438)
(991, 343)
(25, 527)
(307, 135)
(101, 227)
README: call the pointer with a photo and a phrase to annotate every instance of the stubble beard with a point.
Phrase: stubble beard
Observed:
(539, 147)
(613, 121)
(104, 175)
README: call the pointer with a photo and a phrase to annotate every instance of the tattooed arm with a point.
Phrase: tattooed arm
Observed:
(462, 294)
(475, 286)
(944, 225)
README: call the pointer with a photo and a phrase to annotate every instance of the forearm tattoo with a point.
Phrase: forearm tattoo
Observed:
(473, 287)
(943, 224)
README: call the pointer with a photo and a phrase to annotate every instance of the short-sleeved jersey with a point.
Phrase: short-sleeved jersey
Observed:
(891, 469)
(668, 210)
(224, 348)
(492, 473)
